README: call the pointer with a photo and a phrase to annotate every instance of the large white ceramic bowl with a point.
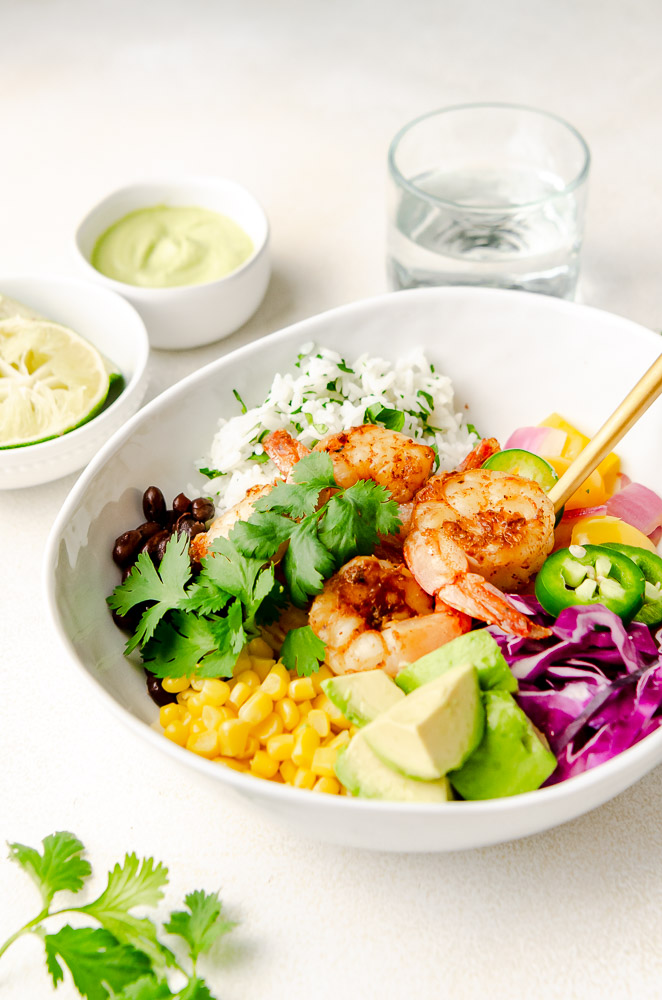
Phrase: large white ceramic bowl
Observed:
(117, 331)
(514, 357)
(187, 315)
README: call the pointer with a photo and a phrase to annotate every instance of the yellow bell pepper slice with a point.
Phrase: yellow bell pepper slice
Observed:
(575, 442)
(591, 493)
(599, 529)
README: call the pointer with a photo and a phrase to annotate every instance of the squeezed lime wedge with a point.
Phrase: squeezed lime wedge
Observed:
(51, 381)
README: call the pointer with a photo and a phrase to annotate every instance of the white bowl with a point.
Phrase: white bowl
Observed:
(514, 357)
(188, 315)
(112, 326)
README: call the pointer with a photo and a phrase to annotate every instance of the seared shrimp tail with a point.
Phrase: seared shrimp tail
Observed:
(485, 448)
(284, 450)
(472, 594)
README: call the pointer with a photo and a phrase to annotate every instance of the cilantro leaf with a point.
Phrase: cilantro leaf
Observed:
(262, 534)
(145, 988)
(228, 572)
(394, 420)
(307, 563)
(97, 961)
(354, 519)
(310, 475)
(244, 408)
(302, 651)
(472, 430)
(59, 868)
(202, 925)
(211, 473)
(164, 586)
(190, 644)
(195, 989)
(135, 883)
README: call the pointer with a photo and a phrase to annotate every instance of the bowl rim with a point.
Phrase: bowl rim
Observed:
(42, 449)
(573, 788)
(147, 293)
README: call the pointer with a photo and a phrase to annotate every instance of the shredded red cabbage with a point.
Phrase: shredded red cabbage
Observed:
(594, 688)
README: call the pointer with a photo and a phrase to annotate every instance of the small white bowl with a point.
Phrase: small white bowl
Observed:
(117, 331)
(187, 315)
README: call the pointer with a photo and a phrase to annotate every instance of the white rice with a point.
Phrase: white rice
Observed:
(303, 404)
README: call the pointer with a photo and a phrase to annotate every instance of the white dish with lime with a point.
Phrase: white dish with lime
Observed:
(72, 369)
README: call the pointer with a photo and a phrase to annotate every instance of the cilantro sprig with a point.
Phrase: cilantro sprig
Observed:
(200, 625)
(123, 958)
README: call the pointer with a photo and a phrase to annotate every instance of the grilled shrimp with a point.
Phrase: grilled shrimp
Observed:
(372, 614)
(475, 531)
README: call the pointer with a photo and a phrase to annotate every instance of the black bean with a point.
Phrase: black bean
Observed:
(126, 548)
(181, 504)
(202, 509)
(129, 621)
(154, 505)
(148, 529)
(156, 692)
(155, 546)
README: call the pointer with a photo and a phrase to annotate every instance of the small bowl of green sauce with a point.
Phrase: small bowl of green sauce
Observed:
(191, 255)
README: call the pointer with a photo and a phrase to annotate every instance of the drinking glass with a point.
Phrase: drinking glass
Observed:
(487, 194)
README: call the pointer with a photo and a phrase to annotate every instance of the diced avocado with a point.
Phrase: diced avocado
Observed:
(478, 648)
(363, 696)
(364, 774)
(510, 759)
(433, 729)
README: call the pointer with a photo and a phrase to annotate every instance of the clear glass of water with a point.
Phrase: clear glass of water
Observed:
(487, 194)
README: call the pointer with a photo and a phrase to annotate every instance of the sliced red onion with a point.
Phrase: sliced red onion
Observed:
(539, 440)
(639, 506)
(577, 512)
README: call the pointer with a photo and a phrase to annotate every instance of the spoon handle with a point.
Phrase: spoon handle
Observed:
(626, 414)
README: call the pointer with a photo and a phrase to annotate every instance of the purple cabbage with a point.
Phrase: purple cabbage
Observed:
(594, 687)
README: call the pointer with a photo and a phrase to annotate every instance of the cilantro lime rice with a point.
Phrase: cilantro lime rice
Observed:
(325, 395)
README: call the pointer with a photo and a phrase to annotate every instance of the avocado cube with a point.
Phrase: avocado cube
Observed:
(362, 773)
(361, 697)
(511, 758)
(478, 648)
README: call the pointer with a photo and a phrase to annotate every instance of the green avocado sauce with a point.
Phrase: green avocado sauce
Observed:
(166, 245)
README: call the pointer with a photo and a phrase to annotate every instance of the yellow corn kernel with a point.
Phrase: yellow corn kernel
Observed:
(330, 785)
(236, 765)
(251, 748)
(271, 726)
(256, 708)
(205, 744)
(323, 761)
(276, 682)
(301, 689)
(262, 666)
(240, 693)
(248, 677)
(215, 692)
(177, 732)
(260, 647)
(319, 720)
(288, 712)
(304, 708)
(287, 771)
(195, 704)
(186, 718)
(280, 747)
(197, 727)
(304, 778)
(173, 685)
(305, 744)
(320, 675)
(341, 740)
(170, 713)
(263, 766)
(197, 683)
(336, 718)
(211, 717)
(233, 735)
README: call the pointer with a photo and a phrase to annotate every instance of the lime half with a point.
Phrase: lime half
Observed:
(51, 381)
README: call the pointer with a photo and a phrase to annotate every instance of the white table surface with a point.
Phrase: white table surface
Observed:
(298, 101)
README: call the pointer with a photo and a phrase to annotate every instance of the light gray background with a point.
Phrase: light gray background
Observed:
(298, 100)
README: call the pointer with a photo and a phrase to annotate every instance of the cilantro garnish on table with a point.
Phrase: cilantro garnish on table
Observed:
(123, 958)
(199, 625)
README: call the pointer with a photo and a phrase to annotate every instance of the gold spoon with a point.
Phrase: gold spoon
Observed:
(626, 414)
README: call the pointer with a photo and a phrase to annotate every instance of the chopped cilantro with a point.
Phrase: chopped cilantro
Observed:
(393, 420)
(211, 473)
(244, 408)
(302, 651)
